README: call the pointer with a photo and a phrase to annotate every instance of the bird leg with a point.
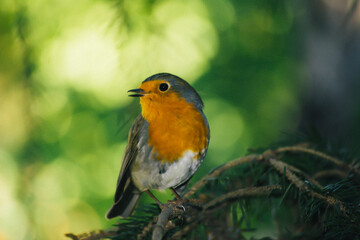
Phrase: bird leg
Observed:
(155, 199)
(179, 201)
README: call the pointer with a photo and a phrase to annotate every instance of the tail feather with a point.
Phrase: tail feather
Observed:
(126, 203)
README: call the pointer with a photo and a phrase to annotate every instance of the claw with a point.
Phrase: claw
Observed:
(181, 206)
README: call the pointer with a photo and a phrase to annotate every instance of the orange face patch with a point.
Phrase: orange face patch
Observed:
(175, 125)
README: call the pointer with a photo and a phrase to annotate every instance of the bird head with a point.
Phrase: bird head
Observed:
(165, 88)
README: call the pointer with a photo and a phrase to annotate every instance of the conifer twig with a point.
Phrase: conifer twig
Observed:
(145, 230)
(243, 192)
(101, 234)
(203, 181)
(281, 167)
(186, 230)
(331, 172)
(322, 155)
(224, 200)
(298, 171)
(169, 210)
(312, 152)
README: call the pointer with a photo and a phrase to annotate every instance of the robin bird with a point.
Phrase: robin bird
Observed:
(166, 144)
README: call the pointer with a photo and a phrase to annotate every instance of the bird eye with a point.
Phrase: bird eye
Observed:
(163, 87)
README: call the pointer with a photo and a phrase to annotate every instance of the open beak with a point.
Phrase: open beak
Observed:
(138, 92)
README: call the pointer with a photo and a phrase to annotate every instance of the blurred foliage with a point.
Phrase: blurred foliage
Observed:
(65, 67)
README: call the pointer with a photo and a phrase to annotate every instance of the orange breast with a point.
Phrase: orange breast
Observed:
(175, 126)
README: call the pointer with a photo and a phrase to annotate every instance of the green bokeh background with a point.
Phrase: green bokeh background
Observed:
(65, 67)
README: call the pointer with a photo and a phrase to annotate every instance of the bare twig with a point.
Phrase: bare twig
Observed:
(159, 227)
(169, 211)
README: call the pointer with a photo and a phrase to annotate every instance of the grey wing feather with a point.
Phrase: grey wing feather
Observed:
(129, 156)
(127, 195)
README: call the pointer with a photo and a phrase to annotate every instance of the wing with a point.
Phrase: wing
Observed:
(129, 157)
(127, 195)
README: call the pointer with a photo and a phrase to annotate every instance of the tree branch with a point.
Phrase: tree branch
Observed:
(159, 227)
(199, 212)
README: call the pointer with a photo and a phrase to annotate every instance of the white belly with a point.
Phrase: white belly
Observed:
(148, 173)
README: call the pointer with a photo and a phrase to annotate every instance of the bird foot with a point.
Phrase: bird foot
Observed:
(181, 207)
(179, 204)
